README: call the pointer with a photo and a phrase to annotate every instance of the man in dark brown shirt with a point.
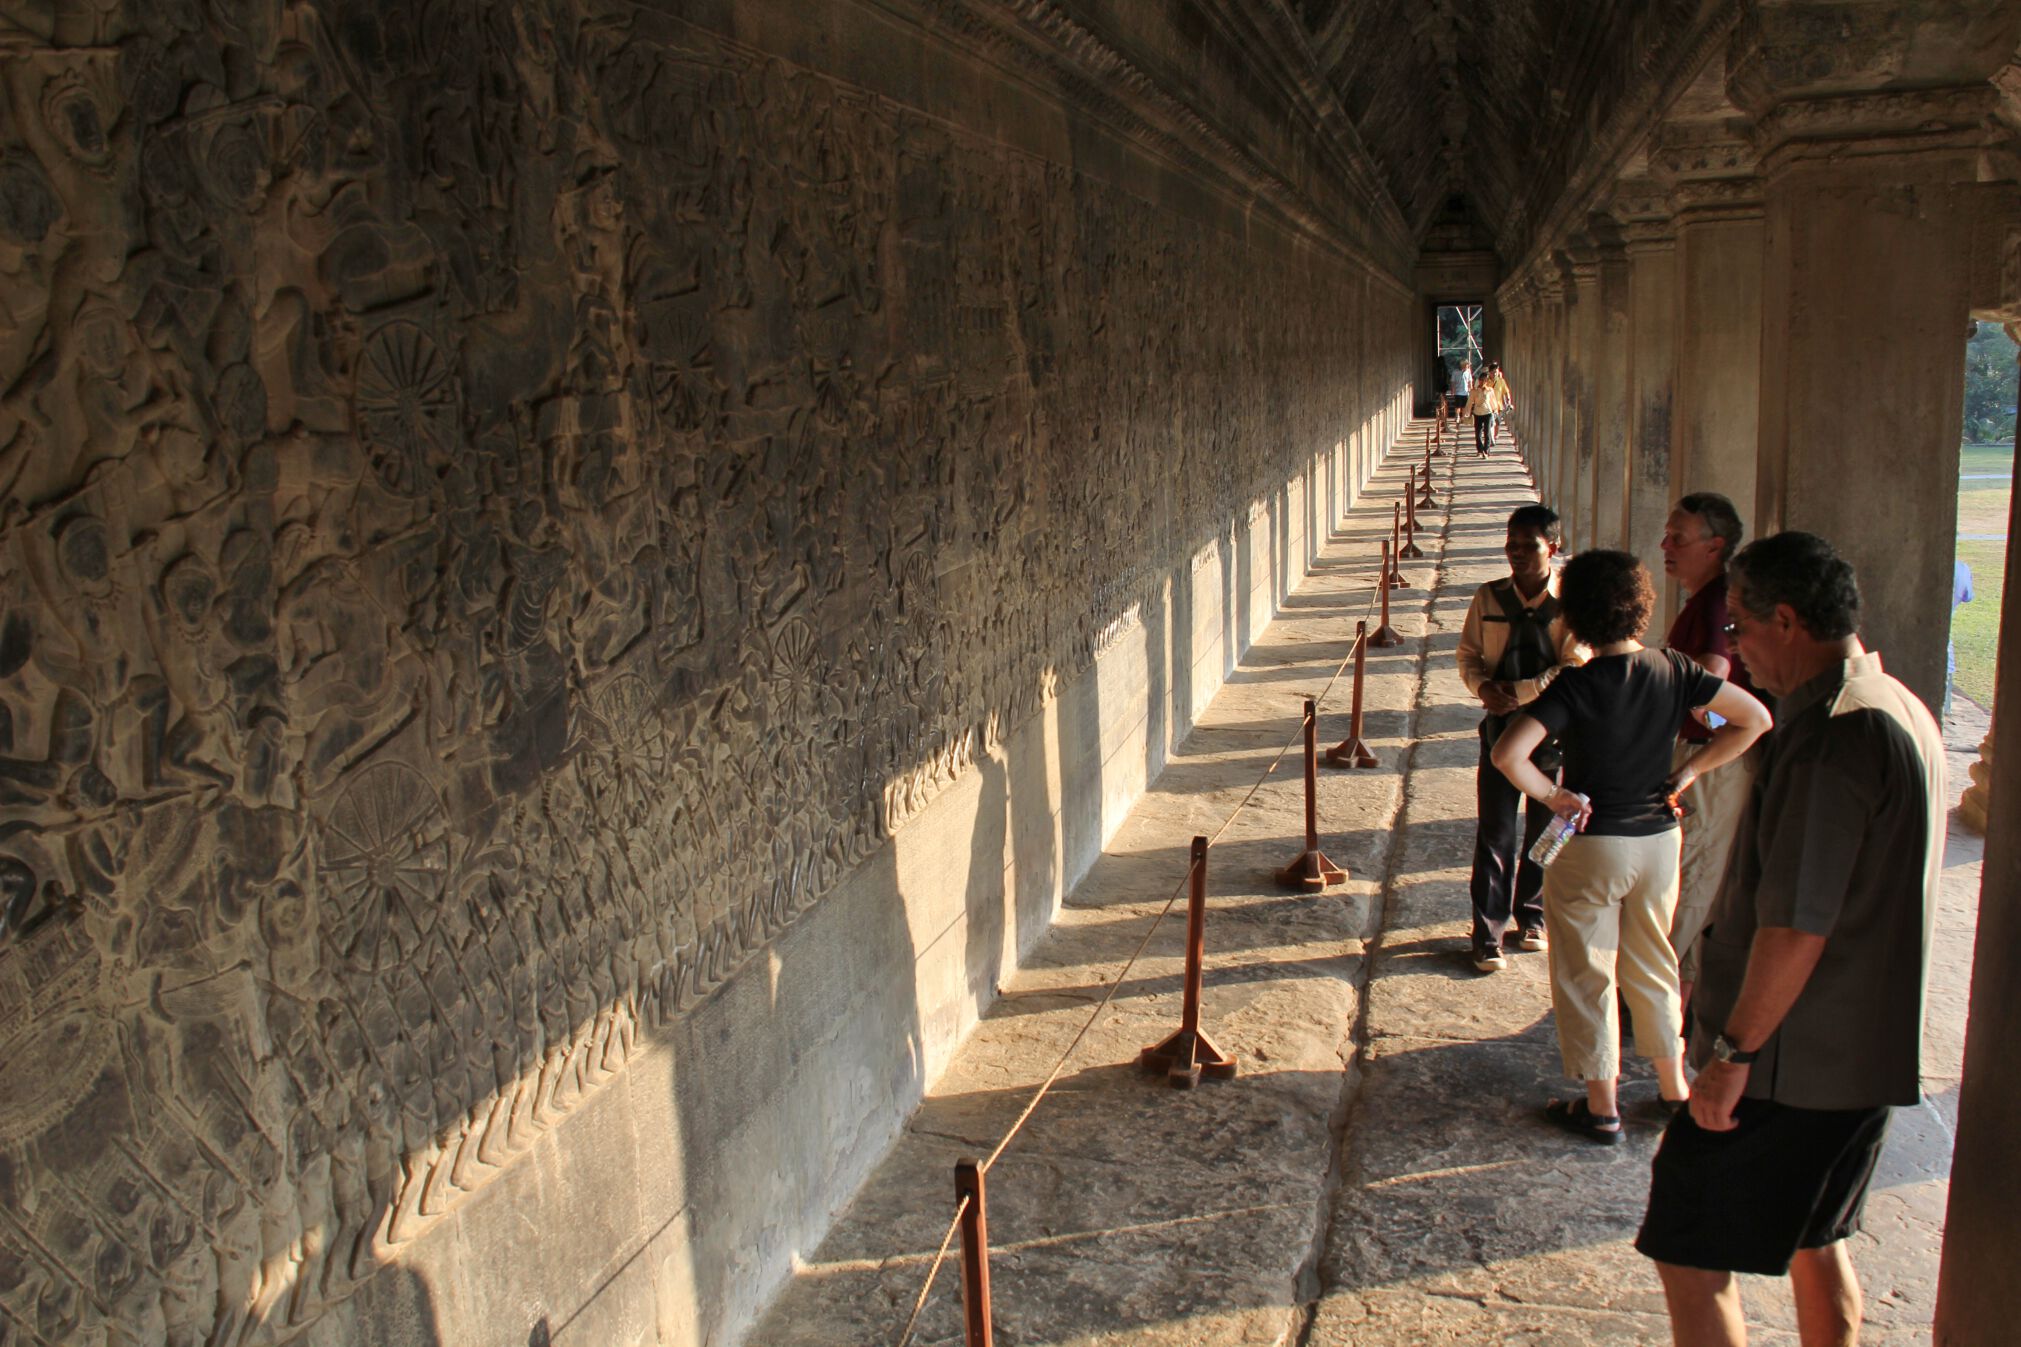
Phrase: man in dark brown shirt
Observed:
(1699, 538)
(1808, 1022)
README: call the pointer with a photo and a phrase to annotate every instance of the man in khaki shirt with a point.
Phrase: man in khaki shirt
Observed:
(1808, 1021)
(1512, 645)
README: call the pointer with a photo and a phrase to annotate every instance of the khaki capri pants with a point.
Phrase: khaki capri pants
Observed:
(1717, 801)
(1608, 902)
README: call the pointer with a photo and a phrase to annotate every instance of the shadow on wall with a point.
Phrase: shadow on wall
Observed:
(864, 999)
(482, 661)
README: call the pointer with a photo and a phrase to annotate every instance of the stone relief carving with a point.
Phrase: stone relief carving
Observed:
(501, 508)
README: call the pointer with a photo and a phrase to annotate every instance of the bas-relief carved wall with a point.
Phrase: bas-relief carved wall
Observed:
(501, 507)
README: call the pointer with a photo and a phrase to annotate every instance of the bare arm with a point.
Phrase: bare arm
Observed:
(1778, 966)
(1719, 666)
(1511, 757)
(1570, 654)
(1746, 721)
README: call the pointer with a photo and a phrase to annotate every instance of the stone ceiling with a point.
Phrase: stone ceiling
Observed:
(1499, 102)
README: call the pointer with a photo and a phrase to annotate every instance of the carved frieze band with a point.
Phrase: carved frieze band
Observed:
(1892, 122)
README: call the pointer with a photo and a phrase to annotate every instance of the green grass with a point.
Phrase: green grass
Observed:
(1975, 626)
(1986, 458)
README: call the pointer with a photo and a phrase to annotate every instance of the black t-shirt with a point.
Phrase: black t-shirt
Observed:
(1618, 716)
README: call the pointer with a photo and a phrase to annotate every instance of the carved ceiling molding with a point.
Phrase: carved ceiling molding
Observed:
(1640, 207)
(1664, 80)
(1300, 68)
(1730, 198)
(1636, 200)
(1882, 122)
(1994, 256)
(2008, 81)
(1680, 154)
(1041, 41)
(1645, 236)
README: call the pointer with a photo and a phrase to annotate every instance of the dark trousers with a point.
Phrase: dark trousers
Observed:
(1507, 884)
(1484, 433)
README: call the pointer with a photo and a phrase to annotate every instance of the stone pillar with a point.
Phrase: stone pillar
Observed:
(1522, 374)
(1608, 363)
(1865, 284)
(1564, 422)
(1716, 204)
(1652, 370)
(1551, 388)
(1586, 332)
(1975, 1302)
(1546, 395)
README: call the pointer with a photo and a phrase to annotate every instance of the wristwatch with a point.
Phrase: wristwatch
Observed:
(1726, 1050)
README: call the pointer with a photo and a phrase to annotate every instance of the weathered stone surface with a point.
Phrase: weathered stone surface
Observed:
(1431, 1198)
(1126, 1211)
(509, 514)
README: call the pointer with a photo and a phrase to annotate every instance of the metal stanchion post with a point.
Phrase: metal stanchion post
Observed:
(1311, 869)
(1410, 527)
(1428, 501)
(1189, 1054)
(1393, 549)
(1351, 751)
(1385, 635)
(968, 1183)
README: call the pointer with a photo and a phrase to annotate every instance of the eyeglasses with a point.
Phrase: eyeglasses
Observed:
(1732, 629)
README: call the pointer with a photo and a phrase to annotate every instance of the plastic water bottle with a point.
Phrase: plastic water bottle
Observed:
(1556, 833)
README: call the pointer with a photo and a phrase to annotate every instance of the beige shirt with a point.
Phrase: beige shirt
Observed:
(1485, 635)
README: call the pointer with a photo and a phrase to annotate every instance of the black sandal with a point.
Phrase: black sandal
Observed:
(1574, 1116)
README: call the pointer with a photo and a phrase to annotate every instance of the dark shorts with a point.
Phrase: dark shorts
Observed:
(1745, 1201)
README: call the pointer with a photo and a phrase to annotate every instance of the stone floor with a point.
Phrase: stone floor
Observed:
(1379, 1172)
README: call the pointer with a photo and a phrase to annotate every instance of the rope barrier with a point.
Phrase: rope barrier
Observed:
(960, 1210)
(1045, 1086)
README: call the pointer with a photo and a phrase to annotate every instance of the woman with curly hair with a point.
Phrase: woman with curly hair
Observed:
(1610, 893)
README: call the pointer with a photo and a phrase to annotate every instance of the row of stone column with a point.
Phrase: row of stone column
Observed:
(1779, 315)
(1773, 303)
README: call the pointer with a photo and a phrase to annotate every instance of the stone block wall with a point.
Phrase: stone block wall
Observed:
(575, 584)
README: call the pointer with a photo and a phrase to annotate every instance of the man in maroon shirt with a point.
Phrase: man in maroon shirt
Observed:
(1701, 533)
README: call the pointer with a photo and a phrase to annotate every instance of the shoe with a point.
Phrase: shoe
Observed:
(1533, 940)
(1574, 1116)
(1489, 961)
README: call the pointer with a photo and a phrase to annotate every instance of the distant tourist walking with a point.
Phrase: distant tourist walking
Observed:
(1610, 894)
(1463, 383)
(1490, 399)
(1808, 1023)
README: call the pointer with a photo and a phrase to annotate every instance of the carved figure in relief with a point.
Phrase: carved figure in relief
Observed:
(385, 863)
(464, 486)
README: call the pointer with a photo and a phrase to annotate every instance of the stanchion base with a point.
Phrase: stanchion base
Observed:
(1311, 871)
(1428, 501)
(1185, 1057)
(1412, 551)
(1438, 453)
(1350, 753)
(1395, 580)
(1384, 636)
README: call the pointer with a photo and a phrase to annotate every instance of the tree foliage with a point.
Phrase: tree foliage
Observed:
(1991, 378)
